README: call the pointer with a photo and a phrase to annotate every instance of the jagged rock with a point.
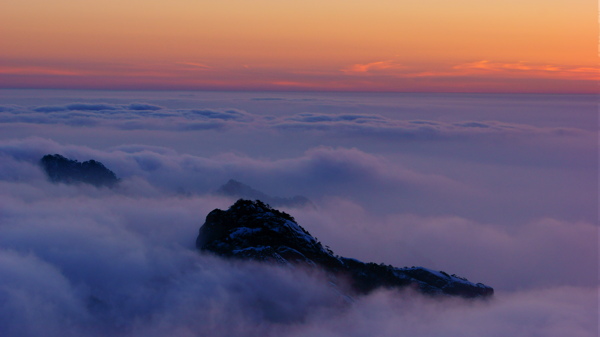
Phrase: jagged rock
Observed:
(63, 170)
(236, 189)
(255, 231)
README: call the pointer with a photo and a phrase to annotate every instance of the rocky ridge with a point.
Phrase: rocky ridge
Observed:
(253, 230)
(237, 190)
(60, 169)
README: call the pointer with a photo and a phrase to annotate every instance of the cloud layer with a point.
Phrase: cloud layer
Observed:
(498, 190)
(151, 117)
(350, 188)
(88, 262)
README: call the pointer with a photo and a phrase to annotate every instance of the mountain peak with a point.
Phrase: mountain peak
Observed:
(252, 230)
(237, 189)
(60, 169)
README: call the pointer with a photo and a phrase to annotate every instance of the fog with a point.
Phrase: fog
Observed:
(500, 189)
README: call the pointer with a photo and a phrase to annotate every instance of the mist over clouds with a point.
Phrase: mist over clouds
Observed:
(499, 190)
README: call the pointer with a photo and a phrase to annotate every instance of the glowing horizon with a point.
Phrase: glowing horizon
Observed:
(525, 46)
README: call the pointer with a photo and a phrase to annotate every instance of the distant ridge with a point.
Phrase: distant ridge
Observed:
(238, 190)
(253, 230)
(60, 169)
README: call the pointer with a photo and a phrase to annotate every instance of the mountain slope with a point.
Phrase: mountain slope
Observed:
(255, 231)
(236, 189)
(63, 170)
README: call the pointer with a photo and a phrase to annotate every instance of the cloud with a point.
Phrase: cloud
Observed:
(96, 264)
(524, 66)
(107, 264)
(525, 314)
(268, 99)
(36, 298)
(143, 107)
(222, 114)
(76, 107)
(378, 183)
(318, 173)
(518, 69)
(527, 69)
(195, 65)
(7, 108)
(511, 257)
(134, 116)
(496, 189)
(50, 109)
(376, 125)
(374, 67)
(319, 118)
(90, 107)
(331, 169)
(34, 70)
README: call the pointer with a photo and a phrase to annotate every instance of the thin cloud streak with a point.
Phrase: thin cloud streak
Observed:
(379, 66)
(380, 75)
(526, 70)
(478, 68)
(195, 65)
(33, 70)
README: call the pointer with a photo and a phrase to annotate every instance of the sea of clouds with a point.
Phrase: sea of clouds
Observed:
(501, 189)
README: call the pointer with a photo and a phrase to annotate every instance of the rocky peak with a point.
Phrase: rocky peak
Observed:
(236, 189)
(253, 230)
(63, 170)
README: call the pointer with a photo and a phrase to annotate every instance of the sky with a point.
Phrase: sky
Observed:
(497, 188)
(509, 46)
(460, 136)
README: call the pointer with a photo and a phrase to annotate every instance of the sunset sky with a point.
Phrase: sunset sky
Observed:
(546, 46)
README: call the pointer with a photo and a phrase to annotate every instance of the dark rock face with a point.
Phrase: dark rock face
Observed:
(253, 230)
(236, 189)
(63, 170)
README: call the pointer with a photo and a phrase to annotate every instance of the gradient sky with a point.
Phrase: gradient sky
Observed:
(352, 45)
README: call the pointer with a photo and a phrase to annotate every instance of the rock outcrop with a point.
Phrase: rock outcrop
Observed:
(237, 190)
(253, 230)
(63, 170)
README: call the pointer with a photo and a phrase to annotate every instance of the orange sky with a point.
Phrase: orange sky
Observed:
(356, 45)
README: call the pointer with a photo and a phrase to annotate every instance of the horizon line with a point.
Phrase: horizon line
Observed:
(233, 90)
